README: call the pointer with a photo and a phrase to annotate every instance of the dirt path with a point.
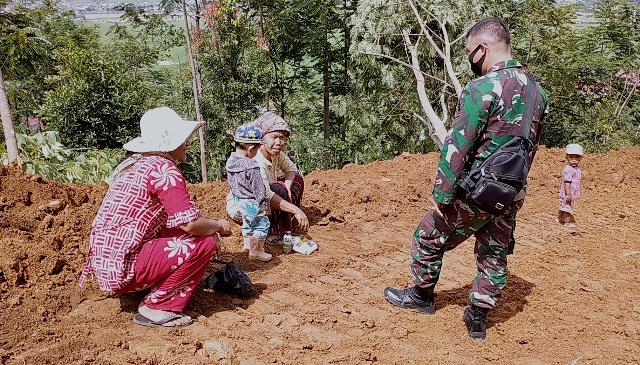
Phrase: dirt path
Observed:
(573, 296)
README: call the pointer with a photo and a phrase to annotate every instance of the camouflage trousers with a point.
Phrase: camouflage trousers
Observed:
(462, 218)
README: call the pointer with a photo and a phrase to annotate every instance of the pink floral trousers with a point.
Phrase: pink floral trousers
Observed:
(172, 267)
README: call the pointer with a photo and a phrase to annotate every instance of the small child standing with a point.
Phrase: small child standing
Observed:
(243, 175)
(570, 188)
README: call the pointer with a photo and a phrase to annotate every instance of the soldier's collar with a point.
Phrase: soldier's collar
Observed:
(505, 64)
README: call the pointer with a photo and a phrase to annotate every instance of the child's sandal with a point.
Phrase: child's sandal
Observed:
(274, 240)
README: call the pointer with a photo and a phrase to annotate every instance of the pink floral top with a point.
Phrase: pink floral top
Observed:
(147, 196)
(572, 175)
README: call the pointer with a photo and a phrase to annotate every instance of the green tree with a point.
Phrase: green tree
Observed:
(32, 60)
(545, 41)
(99, 93)
(235, 75)
(21, 47)
(98, 98)
(409, 67)
(618, 28)
(605, 67)
(308, 43)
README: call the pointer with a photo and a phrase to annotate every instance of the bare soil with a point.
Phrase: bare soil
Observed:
(573, 295)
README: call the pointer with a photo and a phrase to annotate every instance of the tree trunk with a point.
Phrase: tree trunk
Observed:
(7, 125)
(345, 71)
(195, 77)
(325, 81)
(444, 53)
(439, 132)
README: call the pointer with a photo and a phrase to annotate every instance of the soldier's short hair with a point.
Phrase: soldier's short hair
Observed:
(493, 28)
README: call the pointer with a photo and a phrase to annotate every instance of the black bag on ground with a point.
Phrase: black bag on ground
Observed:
(231, 280)
(494, 184)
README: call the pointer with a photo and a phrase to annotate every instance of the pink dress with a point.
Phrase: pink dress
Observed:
(136, 241)
(572, 175)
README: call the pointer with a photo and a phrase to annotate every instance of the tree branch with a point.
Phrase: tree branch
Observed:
(407, 65)
(443, 103)
(439, 132)
(430, 128)
(446, 54)
(459, 38)
(619, 112)
(426, 32)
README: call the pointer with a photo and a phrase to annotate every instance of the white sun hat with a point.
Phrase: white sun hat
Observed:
(573, 149)
(161, 130)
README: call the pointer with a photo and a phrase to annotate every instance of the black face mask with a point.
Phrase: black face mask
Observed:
(476, 67)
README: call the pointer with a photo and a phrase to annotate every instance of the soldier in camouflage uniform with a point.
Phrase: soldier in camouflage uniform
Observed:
(488, 115)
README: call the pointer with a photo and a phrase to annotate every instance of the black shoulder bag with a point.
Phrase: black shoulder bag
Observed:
(494, 184)
(230, 279)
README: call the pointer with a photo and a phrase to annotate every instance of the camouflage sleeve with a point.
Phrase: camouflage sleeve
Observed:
(545, 113)
(544, 100)
(472, 113)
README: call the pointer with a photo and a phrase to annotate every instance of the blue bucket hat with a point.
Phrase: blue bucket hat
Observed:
(248, 133)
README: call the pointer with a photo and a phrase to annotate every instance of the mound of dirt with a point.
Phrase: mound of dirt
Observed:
(572, 297)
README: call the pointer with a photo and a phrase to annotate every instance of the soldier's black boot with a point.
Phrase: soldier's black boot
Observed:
(476, 320)
(414, 298)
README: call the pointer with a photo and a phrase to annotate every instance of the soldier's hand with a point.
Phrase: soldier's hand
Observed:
(567, 199)
(437, 206)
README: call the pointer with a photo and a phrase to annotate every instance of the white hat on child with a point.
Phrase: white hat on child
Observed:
(574, 149)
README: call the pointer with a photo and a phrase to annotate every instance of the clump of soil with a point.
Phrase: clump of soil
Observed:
(572, 294)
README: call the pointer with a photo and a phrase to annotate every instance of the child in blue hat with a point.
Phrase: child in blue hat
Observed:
(249, 193)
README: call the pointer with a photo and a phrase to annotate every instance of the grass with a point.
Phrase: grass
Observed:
(175, 54)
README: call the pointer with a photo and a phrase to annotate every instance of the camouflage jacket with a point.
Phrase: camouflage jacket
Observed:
(488, 115)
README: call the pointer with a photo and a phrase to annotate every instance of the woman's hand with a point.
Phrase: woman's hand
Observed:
(287, 184)
(281, 204)
(205, 227)
(225, 228)
(218, 249)
(302, 219)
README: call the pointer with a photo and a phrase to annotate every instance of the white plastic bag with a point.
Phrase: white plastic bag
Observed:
(305, 247)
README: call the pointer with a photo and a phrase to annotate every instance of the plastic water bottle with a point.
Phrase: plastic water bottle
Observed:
(287, 242)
